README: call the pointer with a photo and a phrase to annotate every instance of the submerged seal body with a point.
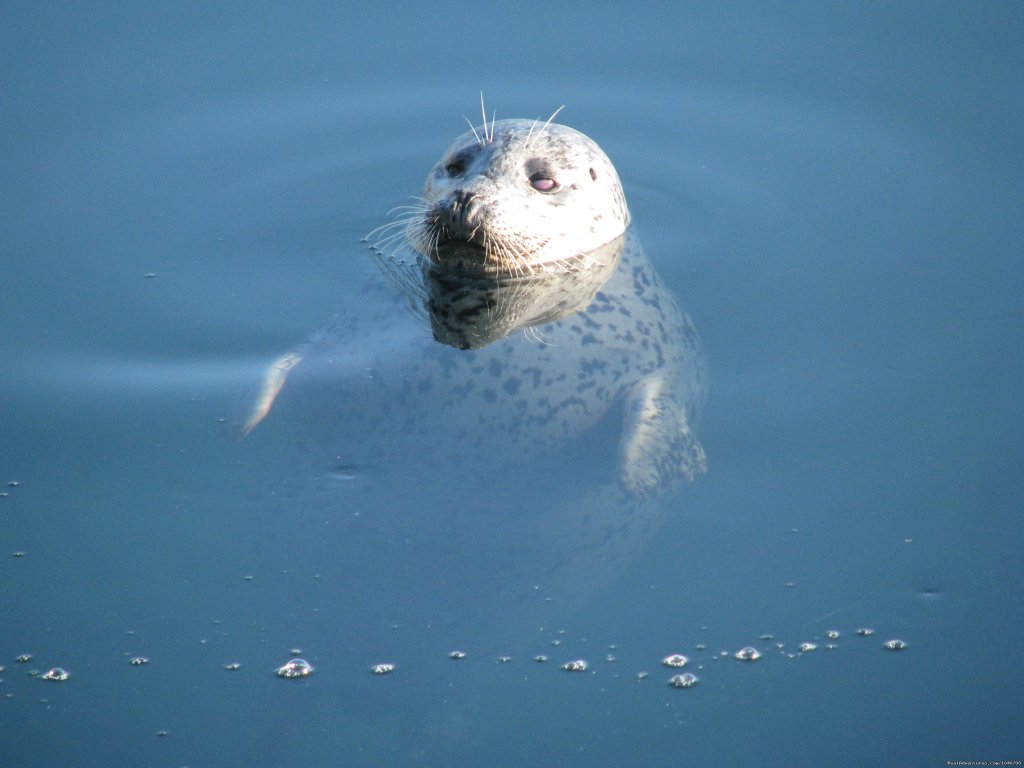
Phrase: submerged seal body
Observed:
(545, 311)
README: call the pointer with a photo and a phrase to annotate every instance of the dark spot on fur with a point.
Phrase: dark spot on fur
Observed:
(593, 174)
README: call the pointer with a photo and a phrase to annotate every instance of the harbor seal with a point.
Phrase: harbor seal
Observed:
(492, 426)
(545, 312)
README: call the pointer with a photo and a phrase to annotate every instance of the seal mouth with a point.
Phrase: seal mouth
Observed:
(458, 253)
(446, 238)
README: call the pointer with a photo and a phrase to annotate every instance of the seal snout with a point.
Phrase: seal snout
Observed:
(457, 216)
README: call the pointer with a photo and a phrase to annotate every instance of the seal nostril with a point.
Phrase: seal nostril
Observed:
(464, 198)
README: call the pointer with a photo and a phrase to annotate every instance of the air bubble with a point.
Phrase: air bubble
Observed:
(685, 680)
(748, 654)
(294, 668)
(56, 675)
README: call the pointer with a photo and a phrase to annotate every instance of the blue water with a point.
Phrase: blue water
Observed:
(832, 192)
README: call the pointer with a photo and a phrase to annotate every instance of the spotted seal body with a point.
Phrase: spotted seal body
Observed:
(521, 260)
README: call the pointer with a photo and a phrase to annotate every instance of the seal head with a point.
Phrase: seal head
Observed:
(519, 197)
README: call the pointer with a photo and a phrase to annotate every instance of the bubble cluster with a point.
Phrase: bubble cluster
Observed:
(297, 667)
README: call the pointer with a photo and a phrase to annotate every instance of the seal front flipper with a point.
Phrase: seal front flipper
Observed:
(273, 381)
(658, 445)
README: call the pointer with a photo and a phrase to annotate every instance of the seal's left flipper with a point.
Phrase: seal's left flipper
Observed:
(658, 445)
(273, 381)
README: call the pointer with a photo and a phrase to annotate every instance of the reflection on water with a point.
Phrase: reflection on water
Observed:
(468, 311)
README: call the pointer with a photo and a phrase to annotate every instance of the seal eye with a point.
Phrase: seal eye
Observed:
(542, 183)
(455, 168)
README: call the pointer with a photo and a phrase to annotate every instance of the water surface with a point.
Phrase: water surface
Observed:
(832, 193)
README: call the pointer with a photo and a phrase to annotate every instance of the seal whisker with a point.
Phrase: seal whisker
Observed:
(529, 135)
(385, 236)
(545, 126)
(483, 114)
(396, 223)
(417, 204)
(400, 210)
(488, 130)
(405, 216)
(472, 127)
(376, 232)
